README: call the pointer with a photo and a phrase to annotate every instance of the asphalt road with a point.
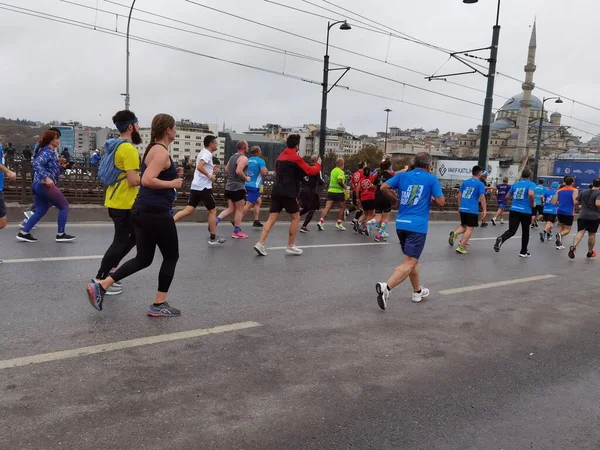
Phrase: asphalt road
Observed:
(507, 367)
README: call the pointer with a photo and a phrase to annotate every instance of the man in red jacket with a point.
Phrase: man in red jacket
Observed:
(289, 170)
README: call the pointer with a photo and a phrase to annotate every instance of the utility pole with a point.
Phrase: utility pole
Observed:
(387, 119)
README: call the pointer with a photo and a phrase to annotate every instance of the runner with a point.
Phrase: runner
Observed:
(538, 193)
(151, 217)
(413, 190)
(589, 219)
(235, 189)
(383, 207)
(289, 170)
(565, 199)
(501, 191)
(550, 212)
(471, 194)
(523, 204)
(309, 197)
(11, 176)
(46, 170)
(121, 194)
(356, 206)
(367, 191)
(257, 169)
(201, 190)
(335, 194)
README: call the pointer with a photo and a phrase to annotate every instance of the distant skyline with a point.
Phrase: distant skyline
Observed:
(55, 71)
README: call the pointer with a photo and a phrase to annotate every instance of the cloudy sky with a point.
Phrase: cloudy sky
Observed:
(56, 71)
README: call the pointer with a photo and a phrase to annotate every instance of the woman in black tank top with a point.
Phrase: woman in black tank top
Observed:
(152, 220)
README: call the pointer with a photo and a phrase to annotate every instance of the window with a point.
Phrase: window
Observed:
(198, 137)
(177, 135)
(188, 144)
(198, 144)
(176, 149)
(175, 142)
(187, 136)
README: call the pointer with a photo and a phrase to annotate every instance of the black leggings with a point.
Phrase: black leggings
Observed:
(153, 229)
(122, 243)
(514, 220)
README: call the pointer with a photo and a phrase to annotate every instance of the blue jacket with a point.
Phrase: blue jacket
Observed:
(45, 165)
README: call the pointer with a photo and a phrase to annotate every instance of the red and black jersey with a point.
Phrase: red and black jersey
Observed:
(366, 188)
(356, 176)
(290, 168)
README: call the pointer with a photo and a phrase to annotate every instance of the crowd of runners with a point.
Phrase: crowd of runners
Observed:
(140, 193)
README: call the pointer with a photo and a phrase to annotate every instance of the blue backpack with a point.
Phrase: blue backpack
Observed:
(108, 173)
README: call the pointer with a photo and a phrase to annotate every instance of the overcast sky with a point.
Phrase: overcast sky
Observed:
(54, 71)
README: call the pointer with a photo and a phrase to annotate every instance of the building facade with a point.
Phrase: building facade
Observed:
(85, 141)
(67, 138)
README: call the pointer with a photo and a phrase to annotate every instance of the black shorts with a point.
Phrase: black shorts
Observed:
(539, 210)
(549, 217)
(290, 204)
(565, 220)
(382, 205)
(204, 196)
(309, 200)
(412, 243)
(469, 220)
(336, 197)
(235, 196)
(368, 205)
(2, 205)
(591, 226)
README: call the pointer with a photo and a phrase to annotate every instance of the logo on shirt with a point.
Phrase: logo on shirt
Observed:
(519, 193)
(412, 195)
(468, 193)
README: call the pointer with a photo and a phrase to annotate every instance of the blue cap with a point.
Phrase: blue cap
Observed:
(555, 185)
(484, 173)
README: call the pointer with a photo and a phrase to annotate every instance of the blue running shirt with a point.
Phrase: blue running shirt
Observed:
(502, 191)
(415, 189)
(255, 164)
(538, 193)
(549, 208)
(520, 192)
(470, 192)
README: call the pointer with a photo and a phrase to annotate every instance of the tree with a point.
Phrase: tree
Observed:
(371, 155)
(329, 161)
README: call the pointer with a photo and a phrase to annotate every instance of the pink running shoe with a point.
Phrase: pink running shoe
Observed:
(239, 235)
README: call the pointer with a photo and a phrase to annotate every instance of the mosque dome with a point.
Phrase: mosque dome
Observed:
(502, 124)
(514, 103)
(556, 114)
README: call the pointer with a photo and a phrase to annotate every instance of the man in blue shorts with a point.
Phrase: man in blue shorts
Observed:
(412, 191)
(501, 191)
(257, 170)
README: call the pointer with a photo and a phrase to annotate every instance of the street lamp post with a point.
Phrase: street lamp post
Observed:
(387, 119)
(127, 97)
(489, 96)
(326, 89)
(539, 139)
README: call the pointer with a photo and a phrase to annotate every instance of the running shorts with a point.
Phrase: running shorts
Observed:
(549, 217)
(279, 203)
(539, 209)
(591, 226)
(236, 196)
(2, 205)
(368, 205)
(502, 205)
(565, 220)
(412, 243)
(382, 206)
(309, 200)
(205, 196)
(336, 197)
(253, 195)
(469, 220)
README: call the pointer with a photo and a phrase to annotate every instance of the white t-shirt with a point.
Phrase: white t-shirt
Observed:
(202, 182)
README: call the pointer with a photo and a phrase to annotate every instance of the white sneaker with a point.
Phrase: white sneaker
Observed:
(340, 227)
(260, 249)
(417, 297)
(321, 226)
(383, 294)
(293, 250)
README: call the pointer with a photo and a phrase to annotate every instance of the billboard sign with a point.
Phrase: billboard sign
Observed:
(584, 172)
(449, 169)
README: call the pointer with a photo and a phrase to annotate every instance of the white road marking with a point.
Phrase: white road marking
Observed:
(531, 236)
(496, 284)
(102, 348)
(351, 244)
(52, 259)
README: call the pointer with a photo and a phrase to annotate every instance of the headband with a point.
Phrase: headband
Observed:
(122, 126)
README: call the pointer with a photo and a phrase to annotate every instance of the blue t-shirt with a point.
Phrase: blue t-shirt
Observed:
(255, 163)
(520, 192)
(415, 189)
(470, 192)
(549, 208)
(502, 191)
(1, 173)
(538, 193)
(566, 205)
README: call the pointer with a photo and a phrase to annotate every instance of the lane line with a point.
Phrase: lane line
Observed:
(51, 259)
(352, 244)
(120, 345)
(531, 235)
(496, 284)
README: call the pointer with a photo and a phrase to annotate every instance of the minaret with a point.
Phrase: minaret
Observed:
(528, 85)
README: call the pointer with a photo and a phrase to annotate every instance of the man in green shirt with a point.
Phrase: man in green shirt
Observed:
(335, 194)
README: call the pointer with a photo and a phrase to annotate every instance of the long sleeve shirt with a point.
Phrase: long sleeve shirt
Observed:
(45, 165)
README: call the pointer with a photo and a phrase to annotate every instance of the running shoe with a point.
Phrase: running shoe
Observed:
(383, 295)
(560, 247)
(366, 231)
(216, 241)
(26, 237)
(260, 249)
(498, 244)
(293, 250)
(452, 239)
(116, 283)
(484, 224)
(113, 290)
(385, 235)
(542, 238)
(417, 297)
(238, 235)
(346, 213)
(340, 227)
(321, 226)
(355, 226)
(558, 240)
(494, 221)
(64, 237)
(525, 255)
(28, 214)
(96, 294)
(304, 230)
(591, 254)
(502, 222)
(462, 250)
(361, 230)
(23, 223)
(163, 310)
(549, 236)
(257, 224)
(571, 253)
(379, 238)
